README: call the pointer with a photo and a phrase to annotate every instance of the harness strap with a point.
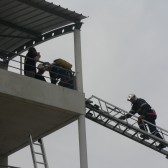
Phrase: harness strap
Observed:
(151, 113)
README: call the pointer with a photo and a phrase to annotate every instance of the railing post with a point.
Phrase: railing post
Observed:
(21, 65)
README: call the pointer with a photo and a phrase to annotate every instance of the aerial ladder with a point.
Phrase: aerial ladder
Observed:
(107, 115)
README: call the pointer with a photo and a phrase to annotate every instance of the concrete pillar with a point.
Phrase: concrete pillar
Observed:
(79, 87)
(4, 160)
(82, 142)
(78, 60)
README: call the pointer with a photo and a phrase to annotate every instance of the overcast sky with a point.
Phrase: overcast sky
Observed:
(124, 50)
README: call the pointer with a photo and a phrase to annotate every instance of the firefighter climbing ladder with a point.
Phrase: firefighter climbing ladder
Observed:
(40, 151)
(107, 115)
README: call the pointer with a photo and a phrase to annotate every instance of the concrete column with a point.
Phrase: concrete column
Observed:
(79, 87)
(4, 160)
(82, 142)
(78, 60)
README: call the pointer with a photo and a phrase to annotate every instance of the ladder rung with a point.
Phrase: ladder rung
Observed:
(37, 144)
(107, 121)
(38, 153)
(116, 125)
(134, 134)
(125, 129)
(41, 152)
(98, 116)
(152, 143)
(41, 163)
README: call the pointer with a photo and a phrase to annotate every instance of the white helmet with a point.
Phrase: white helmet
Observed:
(131, 97)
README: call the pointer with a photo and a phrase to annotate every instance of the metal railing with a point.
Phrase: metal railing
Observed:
(17, 65)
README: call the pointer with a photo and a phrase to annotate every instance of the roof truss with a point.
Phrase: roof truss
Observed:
(48, 9)
(16, 27)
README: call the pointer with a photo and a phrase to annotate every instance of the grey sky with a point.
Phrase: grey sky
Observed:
(124, 50)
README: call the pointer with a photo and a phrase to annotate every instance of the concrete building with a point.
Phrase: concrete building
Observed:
(28, 103)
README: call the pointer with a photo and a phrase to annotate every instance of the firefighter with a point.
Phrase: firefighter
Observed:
(61, 75)
(30, 62)
(145, 112)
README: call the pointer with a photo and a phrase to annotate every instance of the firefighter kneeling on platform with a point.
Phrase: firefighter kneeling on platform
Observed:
(145, 111)
(61, 73)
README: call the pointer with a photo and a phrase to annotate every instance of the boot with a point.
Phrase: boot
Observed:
(161, 146)
(144, 136)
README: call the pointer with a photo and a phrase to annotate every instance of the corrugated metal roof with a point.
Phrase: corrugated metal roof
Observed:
(22, 21)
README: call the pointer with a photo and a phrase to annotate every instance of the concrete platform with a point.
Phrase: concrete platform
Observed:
(30, 106)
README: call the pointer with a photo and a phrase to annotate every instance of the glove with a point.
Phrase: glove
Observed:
(122, 117)
(140, 117)
(47, 66)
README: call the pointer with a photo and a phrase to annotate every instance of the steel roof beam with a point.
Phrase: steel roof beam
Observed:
(12, 36)
(45, 37)
(51, 10)
(16, 27)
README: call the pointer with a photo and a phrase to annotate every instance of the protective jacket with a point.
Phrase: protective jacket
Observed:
(30, 62)
(141, 107)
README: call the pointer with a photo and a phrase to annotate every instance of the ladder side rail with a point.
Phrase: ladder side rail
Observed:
(106, 102)
(107, 108)
(97, 110)
(118, 111)
(92, 114)
(96, 115)
(161, 130)
(107, 115)
(133, 117)
(128, 125)
(139, 141)
(113, 126)
(121, 111)
(131, 136)
(125, 112)
(100, 104)
(44, 153)
(135, 128)
(114, 110)
(32, 151)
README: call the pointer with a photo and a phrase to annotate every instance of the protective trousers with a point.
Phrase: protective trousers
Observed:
(152, 127)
